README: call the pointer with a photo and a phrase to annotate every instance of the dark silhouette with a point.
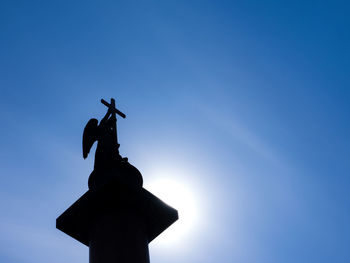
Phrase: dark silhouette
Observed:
(116, 218)
(108, 162)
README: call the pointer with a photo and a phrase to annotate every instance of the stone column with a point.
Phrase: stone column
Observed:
(118, 238)
(117, 222)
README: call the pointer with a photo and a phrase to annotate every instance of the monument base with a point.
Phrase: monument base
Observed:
(117, 222)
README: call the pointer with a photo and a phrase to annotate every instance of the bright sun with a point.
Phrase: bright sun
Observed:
(177, 195)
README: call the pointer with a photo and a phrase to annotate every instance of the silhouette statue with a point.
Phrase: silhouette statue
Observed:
(116, 218)
(108, 162)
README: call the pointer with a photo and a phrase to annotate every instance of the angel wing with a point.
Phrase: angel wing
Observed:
(89, 136)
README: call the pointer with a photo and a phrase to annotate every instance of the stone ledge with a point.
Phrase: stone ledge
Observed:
(117, 198)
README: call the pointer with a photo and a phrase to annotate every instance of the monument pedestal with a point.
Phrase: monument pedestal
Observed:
(116, 222)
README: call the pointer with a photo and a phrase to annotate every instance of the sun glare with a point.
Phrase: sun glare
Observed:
(179, 196)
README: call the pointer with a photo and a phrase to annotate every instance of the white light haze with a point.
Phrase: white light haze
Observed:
(180, 195)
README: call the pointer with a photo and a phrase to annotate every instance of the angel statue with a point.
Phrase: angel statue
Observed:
(108, 162)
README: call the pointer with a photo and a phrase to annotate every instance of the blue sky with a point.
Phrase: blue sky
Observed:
(244, 102)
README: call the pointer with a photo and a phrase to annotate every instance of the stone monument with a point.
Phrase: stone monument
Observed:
(116, 218)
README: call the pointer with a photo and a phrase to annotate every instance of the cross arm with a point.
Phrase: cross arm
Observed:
(113, 109)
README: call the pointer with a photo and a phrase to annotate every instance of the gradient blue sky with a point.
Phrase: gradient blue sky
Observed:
(244, 102)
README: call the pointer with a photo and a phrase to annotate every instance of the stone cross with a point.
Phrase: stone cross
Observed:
(114, 111)
(112, 107)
